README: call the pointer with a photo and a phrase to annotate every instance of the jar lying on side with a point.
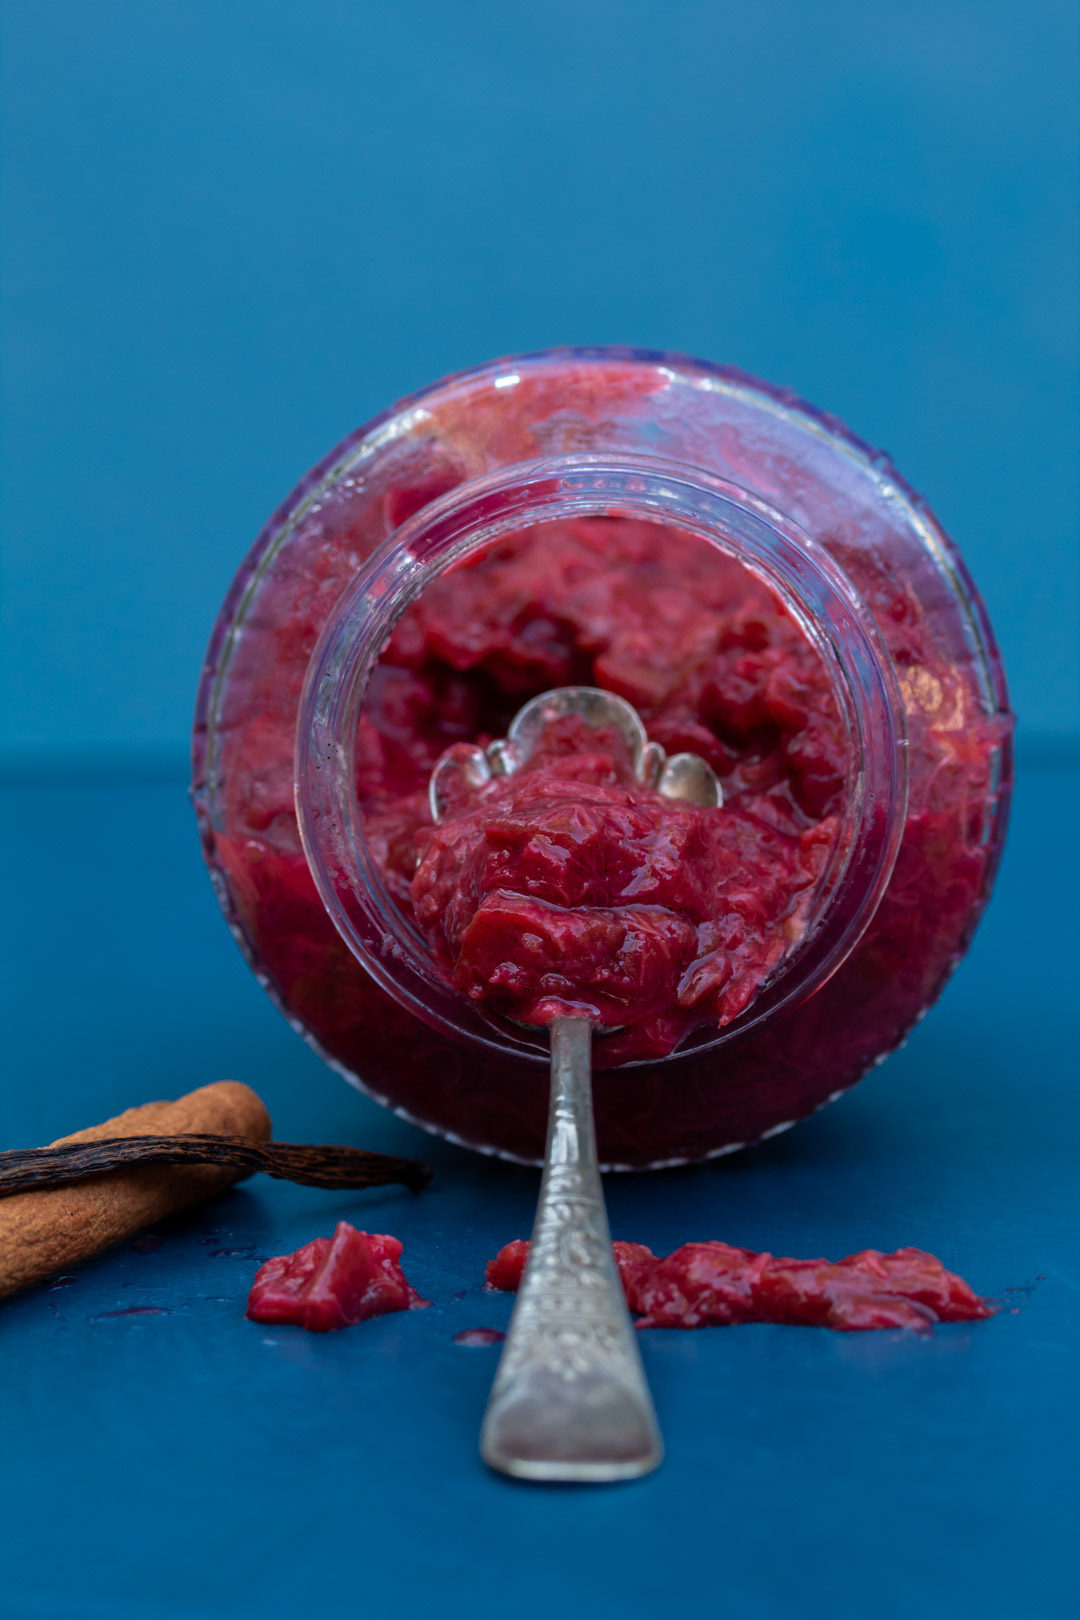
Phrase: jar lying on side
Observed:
(767, 594)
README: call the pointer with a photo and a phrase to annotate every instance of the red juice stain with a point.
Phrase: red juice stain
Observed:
(479, 1337)
(133, 1310)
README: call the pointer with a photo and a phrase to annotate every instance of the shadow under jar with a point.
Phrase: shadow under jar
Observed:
(766, 592)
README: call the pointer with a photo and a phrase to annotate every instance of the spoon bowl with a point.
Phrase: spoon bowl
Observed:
(677, 776)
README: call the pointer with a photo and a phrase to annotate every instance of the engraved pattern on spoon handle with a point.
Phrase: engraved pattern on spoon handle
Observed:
(570, 1400)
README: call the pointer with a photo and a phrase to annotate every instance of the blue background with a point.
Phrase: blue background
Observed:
(233, 230)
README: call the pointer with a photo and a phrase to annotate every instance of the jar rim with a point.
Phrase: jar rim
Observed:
(737, 522)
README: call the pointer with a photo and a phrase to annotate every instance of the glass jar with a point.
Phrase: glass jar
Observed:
(858, 562)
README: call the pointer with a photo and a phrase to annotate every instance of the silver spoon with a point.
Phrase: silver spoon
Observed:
(570, 1401)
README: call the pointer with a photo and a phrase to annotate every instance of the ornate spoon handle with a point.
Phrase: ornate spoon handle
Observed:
(570, 1401)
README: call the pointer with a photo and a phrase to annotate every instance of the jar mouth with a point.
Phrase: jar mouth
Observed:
(814, 589)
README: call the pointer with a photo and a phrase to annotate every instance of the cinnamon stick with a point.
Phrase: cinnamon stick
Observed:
(46, 1231)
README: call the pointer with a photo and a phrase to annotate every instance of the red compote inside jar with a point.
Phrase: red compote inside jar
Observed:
(766, 595)
(570, 886)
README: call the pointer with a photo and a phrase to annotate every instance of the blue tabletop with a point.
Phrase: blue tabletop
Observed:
(190, 1462)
